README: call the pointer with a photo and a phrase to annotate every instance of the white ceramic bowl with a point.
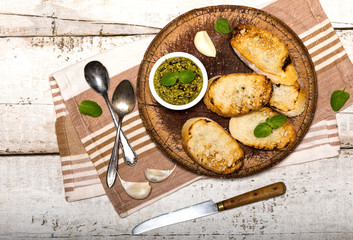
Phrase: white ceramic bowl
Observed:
(204, 78)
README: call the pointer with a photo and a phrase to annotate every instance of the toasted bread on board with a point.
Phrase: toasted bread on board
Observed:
(242, 129)
(236, 94)
(288, 100)
(212, 147)
(264, 53)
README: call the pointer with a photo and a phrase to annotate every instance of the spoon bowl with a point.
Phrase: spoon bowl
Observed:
(97, 77)
(124, 100)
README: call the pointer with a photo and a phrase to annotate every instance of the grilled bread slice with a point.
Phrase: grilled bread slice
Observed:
(288, 100)
(236, 94)
(264, 53)
(242, 129)
(212, 147)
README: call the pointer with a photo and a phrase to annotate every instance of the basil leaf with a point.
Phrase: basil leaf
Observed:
(262, 130)
(222, 26)
(186, 76)
(169, 79)
(338, 99)
(276, 121)
(90, 108)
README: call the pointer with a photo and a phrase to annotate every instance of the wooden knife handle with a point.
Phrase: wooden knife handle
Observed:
(263, 193)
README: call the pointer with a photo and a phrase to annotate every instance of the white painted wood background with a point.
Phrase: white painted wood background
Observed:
(41, 37)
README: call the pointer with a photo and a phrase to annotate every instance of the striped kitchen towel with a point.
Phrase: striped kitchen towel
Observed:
(85, 143)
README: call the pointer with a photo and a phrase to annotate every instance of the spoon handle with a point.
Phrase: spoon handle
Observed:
(129, 155)
(114, 159)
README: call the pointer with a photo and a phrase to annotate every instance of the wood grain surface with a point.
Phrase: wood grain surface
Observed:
(40, 37)
(165, 125)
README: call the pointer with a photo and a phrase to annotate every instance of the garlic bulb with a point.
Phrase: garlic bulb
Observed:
(156, 175)
(204, 44)
(136, 190)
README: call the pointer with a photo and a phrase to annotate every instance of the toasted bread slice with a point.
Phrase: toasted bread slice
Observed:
(242, 129)
(288, 100)
(236, 94)
(264, 53)
(212, 147)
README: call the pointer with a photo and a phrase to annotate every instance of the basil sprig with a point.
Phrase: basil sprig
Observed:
(185, 76)
(222, 26)
(338, 99)
(264, 129)
(90, 108)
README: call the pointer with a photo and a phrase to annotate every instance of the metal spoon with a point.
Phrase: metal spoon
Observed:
(123, 102)
(97, 78)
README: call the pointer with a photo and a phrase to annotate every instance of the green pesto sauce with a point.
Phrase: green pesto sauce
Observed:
(179, 93)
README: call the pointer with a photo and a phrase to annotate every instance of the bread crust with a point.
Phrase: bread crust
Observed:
(264, 53)
(242, 129)
(235, 94)
(210, 146)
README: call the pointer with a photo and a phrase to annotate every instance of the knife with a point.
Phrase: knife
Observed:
(209, 207)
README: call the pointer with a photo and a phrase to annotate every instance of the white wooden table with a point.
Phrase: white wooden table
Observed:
(40, 37)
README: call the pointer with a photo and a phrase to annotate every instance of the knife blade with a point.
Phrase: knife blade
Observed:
(209, 207)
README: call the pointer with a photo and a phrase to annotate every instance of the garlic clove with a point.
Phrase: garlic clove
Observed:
(157, 175)
(204, 44)
(136, 190)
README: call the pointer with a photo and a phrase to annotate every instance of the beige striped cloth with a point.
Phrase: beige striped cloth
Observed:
(85, 143)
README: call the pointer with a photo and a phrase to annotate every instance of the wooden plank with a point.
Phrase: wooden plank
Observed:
(339, 12)
(27, 129)
(346, 38)
(38, 18)
(26, 92)
(28, 62)
(345, 128)
(54, 53)
(32, 26)
(155, 13)
(317, 204)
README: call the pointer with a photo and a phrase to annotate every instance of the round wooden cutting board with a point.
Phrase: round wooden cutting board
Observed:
(164, 125)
